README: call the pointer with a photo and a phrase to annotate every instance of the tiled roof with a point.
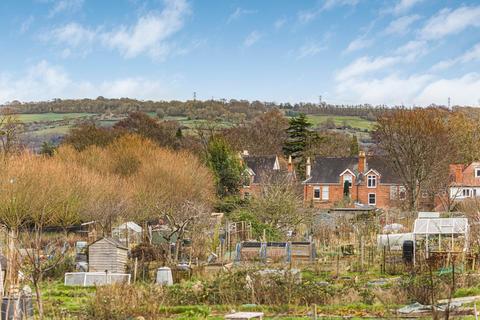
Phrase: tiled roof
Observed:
(328, 169)
(262, 166)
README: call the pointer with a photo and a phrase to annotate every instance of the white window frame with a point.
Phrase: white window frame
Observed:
(349, 179)
(373, 178)
(315, 188)
(375, 198)
(477, 172)
(325, 193)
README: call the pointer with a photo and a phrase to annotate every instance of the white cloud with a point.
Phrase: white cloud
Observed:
(279, 23)
(306, 16)
(358, 44)
(65, 6)
(471, 55)
(413, 50)
(149, 35)
(238, 13)
(41, 81)
(72, 34)
(252, 38)
(404, 5)
(26, 24)
(44, 81)
(401, 25)
(390, 90)
(366, 65)
(310, 49)
(464, 90)
(416, 89)
(448, 22)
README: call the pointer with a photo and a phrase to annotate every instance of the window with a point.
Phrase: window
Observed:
(474, 193)
(349, 178)
(372, 181)
(316, 193)
(393, 192)
(325, 193)
(477, 172)
(466, 193)
(372, 198)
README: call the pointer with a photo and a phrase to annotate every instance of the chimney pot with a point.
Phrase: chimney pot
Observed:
(308, 168)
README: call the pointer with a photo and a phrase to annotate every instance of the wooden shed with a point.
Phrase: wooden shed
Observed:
(107, 254)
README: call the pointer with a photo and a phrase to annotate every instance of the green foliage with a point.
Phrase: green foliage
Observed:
(296, 144)
(228, 204)
(226, 166)
(258, 228)
(48, 148)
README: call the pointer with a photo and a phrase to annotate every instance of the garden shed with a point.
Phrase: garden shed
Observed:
(107, 254)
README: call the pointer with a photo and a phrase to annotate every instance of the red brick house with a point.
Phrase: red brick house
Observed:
(353, 180)
(464, 185)
(261, 169)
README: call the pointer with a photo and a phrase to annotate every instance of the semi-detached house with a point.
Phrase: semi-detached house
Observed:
(363, 179)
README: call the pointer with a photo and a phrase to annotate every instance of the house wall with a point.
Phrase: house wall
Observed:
(357, 194)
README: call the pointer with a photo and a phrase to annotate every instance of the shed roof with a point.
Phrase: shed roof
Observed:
(112, 241)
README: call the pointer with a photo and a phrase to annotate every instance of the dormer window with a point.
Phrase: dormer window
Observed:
(349, 178)
(372, 181)
(477, 172)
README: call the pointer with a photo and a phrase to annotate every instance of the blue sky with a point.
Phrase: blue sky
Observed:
(411, 52)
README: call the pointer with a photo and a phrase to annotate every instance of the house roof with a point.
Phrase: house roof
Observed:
(112, 241)
(329, 169)
(261, 166)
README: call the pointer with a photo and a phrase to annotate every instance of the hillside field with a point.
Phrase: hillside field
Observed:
(352, 121)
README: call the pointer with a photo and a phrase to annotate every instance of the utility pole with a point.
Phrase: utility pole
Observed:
(319, 100)
(194, 96)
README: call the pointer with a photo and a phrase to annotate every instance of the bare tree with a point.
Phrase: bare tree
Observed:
(417, 144)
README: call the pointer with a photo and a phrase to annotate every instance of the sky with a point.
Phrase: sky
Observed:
(392, 52)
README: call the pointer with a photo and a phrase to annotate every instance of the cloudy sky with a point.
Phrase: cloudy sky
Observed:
(410, 52)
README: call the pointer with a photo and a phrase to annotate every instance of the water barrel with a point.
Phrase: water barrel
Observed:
(164, 276)
(407, 251)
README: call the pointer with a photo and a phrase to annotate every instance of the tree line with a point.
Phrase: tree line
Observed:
(229, 110)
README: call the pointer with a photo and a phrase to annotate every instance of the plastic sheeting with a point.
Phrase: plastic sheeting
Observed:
(393, 241)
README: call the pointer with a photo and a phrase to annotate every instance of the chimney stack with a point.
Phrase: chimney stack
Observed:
(458, 172)
(362, 161)
(290, 164)
(308, 168)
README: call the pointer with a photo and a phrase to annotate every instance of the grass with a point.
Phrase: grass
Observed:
(61, 300)
(352, 121)
(43, 117)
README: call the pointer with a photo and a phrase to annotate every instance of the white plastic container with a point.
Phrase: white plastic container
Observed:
(164, 276)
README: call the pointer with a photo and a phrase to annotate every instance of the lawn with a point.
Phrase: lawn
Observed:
(42, 117)
(352, 121)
